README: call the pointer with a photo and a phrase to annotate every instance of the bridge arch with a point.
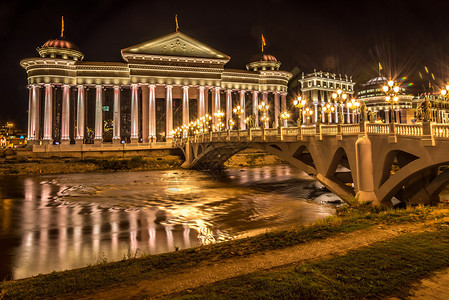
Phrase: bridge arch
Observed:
(418, 182)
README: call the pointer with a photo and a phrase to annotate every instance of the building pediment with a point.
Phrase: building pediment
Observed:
(174, 44)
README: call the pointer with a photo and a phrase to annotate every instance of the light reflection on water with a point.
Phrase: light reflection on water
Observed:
(66, 221)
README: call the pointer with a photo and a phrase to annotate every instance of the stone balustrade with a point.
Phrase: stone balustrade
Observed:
(440, 131)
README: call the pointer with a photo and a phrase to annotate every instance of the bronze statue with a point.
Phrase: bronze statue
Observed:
(363, 112)
(319, 114)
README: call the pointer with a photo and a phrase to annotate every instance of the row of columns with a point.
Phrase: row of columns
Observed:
(148, 113)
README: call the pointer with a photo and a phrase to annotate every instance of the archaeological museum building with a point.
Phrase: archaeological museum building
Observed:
(160, 84)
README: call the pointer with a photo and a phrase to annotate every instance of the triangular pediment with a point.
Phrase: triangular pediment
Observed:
(175, 44)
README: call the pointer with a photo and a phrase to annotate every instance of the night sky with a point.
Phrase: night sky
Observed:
(338, 36)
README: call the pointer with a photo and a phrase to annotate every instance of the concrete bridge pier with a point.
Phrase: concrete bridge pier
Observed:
(365, 178)
(188, 154)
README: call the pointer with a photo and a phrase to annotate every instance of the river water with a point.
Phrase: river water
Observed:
(59, 222)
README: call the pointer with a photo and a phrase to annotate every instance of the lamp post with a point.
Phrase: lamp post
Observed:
(238, 111)
(353, 105)
(264, 107)
(329, 109)
(340, 97)
(299, 103)
(219, 114)
(391, 90)
(308, 112)
(284, 116)
(444, 92)
(230, 124)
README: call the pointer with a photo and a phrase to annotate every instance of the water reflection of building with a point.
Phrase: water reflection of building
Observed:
(58, 235)
(160, 84)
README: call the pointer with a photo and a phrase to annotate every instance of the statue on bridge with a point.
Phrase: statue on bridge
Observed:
(363, 112)
(423, 111)
(319, 114)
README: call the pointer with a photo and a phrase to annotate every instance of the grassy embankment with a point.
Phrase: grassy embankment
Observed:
(320, 276)
(385, 269)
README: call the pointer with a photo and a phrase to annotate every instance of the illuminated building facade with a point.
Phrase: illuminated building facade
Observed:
(379, 110)
(317, 89)
(161, 84)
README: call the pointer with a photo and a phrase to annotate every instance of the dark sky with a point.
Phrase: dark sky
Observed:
(339, 36)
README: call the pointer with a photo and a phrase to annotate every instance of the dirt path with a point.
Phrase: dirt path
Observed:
(209, 272)
(435, 287)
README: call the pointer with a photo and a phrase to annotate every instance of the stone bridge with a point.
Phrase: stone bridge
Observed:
(367, 161)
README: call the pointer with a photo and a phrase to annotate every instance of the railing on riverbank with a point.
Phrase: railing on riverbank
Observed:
(427, 131)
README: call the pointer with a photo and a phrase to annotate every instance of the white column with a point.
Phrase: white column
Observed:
(348, 114)
(336, 112)
(145, 112)
(48, 113)
(80, 115)
(256, 108)
(169, 112)
(98, 114)
(216, 104)
(228, 107)
(30, 108)
(387, 116)
(65, 115)
(323, 115)
(36, 111)
(116, 136)
(201, 105)
(242, 105)
(277, 107)
(265, 99)
(134, 113)
(315, 112)
(152, 112)
(283, 101)
(185, 105)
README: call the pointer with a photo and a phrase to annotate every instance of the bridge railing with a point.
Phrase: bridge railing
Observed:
(329, 129)
(378, 128)
(440, 130)
(409, 129)
(350, 128)
(426, 131)
(308, 130)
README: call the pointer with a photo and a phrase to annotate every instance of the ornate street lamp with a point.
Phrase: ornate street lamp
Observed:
(239, 111)
(299, 103)
(353, 105)
(308, 112)
(340, 97)
(219, 114)
(284, 116)
(328, 109)
(391, 90)
(231, 124)
(445, 92)
(264, 107)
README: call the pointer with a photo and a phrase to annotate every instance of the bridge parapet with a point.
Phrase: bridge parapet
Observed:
(427, 131)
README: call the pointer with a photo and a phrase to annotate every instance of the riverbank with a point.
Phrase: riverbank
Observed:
(23, 165)
(360, 253)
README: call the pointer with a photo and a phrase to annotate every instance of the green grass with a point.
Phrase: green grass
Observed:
(62, 284)
(383, 270)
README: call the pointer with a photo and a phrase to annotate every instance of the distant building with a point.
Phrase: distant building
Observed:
(405, 109)
(317, 88)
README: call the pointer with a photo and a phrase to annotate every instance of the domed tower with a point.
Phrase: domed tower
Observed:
(60, 48)
(51, 82)
(263, 61)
